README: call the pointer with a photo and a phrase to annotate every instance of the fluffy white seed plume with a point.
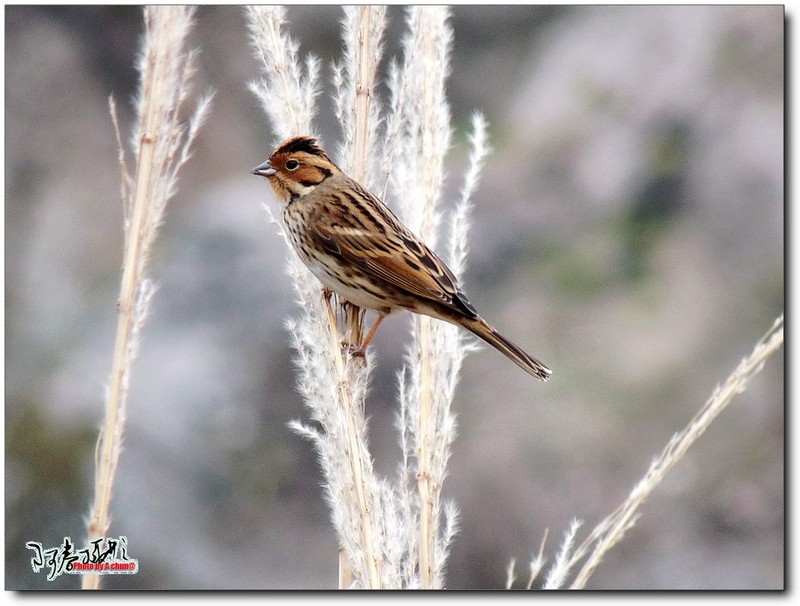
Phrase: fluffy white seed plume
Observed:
(355, 80)
(419, 133)
(459, 223)
(161, 144)
(288, 89)
(511, 575)
(560, 570)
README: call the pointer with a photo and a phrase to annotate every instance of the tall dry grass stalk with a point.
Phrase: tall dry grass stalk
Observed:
(612, 529)
(433, 360)
(161, 146)
(391, 535)
(332, 381)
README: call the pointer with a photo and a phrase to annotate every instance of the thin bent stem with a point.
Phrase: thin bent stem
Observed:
(612, 529)
(625, 516)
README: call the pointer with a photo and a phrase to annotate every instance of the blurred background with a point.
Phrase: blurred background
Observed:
(628, 230)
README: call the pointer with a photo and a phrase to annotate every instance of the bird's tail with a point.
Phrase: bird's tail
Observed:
(488, 333)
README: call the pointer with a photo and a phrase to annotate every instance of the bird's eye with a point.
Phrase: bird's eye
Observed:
(292, 165)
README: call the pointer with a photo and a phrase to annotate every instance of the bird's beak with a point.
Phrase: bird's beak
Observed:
(264, 170)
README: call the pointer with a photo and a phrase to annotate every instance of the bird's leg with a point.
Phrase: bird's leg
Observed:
(371, 333)
(356, 349)
(354, 321)
(355, 327)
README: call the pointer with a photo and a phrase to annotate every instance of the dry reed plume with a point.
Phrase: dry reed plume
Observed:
(161, 146)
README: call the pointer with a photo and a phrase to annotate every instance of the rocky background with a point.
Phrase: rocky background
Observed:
(628, 230)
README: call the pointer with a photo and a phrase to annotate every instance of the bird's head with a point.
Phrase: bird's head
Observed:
(296, 167)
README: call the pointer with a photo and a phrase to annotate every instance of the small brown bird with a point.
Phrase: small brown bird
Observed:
(358, 248)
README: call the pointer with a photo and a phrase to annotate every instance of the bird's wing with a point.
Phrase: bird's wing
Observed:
(364, 232)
